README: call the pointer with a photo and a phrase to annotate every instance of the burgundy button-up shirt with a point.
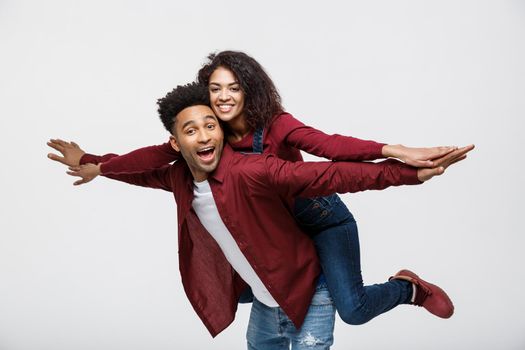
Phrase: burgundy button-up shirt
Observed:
(254, 196)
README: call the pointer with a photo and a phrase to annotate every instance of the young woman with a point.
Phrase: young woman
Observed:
(245, 99)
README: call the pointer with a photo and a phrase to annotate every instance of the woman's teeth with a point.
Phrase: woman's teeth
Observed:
(225, 108)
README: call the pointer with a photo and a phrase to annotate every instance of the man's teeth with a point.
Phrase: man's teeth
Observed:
(206, 149)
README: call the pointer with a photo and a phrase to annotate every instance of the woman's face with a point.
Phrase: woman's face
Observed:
(226, 96)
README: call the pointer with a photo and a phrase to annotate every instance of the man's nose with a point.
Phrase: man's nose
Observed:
(203, 136)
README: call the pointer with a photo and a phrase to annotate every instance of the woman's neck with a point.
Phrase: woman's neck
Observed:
(238, 129)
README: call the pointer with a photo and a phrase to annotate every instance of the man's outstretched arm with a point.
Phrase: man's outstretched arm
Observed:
(157, 178)
(146, 158)
(140, 160)
(308, 179)
(72, 156)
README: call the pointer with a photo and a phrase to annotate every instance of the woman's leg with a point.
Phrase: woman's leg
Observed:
(338, 250)
(335, 235)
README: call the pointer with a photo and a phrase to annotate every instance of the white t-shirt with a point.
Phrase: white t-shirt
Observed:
(206, 209)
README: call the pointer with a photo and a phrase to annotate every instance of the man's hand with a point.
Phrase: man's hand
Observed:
(440, 164)
(71, 152)
(86, 172)
(417, 157)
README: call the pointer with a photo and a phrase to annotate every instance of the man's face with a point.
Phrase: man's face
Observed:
(199, 137)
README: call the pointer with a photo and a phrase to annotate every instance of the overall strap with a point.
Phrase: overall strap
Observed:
(257, 146)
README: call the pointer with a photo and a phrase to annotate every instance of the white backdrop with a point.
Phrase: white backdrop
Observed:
(95, 267)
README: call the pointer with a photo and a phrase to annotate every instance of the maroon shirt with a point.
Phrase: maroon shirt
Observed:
(284, 137)
(253, 194)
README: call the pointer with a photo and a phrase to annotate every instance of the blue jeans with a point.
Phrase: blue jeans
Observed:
(334, 232)
(270, 329)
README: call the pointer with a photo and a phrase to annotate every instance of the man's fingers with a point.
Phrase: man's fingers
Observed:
(453, 155)
(459, 159)
(428, 173)
(61, 142)
(74, 144)
(459, 153)
(438, 171)
(423, 164)
(454, 160)
(74, 171)
(56, 146)
(79, 182)
(443, 160)
(56, 158)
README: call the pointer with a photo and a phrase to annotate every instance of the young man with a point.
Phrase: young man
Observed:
(235, 226)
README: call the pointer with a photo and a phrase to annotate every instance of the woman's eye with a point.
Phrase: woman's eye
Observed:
(214, 89)
(235, 89)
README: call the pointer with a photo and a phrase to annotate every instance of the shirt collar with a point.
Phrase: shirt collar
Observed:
(224, 164)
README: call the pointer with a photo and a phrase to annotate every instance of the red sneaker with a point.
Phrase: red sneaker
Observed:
(428, 295)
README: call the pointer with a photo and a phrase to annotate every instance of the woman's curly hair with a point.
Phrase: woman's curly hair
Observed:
(261, 99)
(181, 97)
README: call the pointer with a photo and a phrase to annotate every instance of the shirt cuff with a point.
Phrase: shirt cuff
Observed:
(89, 158)
(377, 150)
(410, 174)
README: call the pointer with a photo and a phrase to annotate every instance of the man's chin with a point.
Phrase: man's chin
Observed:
(208, 168)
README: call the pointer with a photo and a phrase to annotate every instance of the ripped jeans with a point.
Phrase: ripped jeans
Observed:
(270, 329)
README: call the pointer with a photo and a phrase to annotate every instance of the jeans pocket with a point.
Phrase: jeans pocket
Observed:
(322, 296)
(319, 213)
(312, 212)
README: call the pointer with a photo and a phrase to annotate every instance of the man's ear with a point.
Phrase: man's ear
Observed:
(174, 144)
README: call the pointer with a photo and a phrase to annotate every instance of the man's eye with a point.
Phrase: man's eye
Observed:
(211, 126)
(190, 131)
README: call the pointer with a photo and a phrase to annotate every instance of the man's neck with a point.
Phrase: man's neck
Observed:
(199, 176)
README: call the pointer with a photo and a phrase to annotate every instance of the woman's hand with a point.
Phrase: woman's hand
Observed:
(419, 157)
(86, 172)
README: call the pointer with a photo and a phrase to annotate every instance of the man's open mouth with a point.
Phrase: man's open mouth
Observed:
(206, 154)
